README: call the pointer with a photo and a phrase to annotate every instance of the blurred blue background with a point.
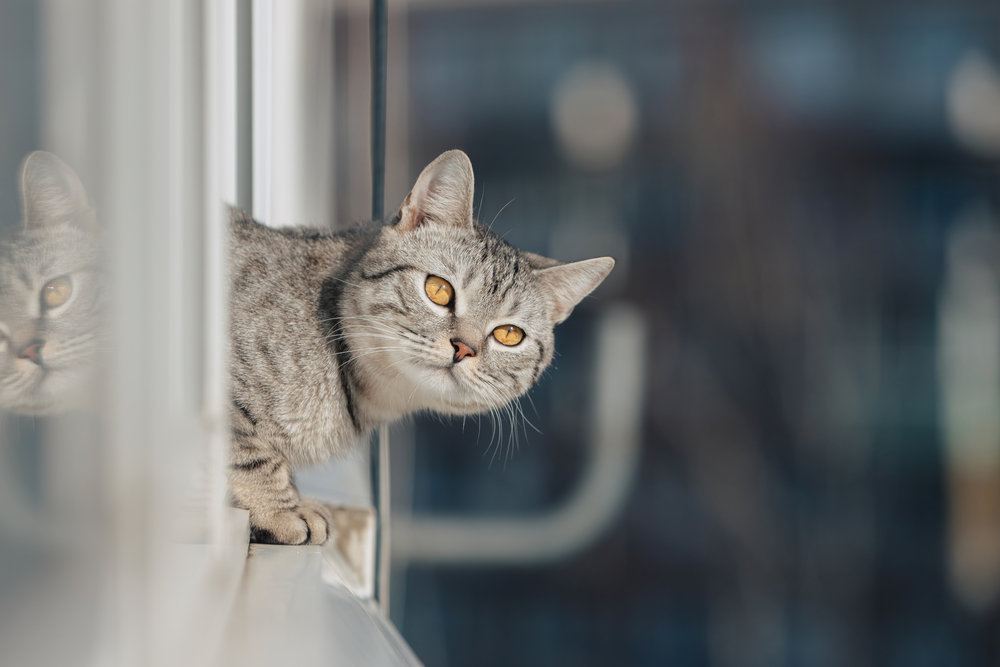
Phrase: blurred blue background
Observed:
(785, 200)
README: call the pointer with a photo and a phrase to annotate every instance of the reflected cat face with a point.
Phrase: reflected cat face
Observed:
(51, 288)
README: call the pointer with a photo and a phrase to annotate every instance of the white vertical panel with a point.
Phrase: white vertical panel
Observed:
(130, 187)
(287, 137)
(222, 35)
(262, 95)
(141, 100)
(292, 111)
(70, 108)
(221, 179)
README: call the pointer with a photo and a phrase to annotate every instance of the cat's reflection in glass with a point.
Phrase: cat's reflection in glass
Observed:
(50, 293)
(51, 336)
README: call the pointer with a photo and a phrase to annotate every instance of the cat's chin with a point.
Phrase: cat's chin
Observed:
(37, 403)
(435, 388)
(458, 397)
(56, 392)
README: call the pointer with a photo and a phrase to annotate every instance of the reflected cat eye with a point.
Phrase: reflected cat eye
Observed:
(439, 290)
(508, 334)
(56, 292)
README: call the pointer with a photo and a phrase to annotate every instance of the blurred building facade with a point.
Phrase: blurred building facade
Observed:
(782, 215)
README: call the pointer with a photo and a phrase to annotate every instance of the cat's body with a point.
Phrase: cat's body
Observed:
(51, 293)
(282, 368)
(333, 335)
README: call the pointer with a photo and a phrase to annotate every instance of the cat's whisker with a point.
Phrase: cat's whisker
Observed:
(493, 432)
(354, 360)
(512, 435)
(509, 408)
(497, 420)
(525, 419)
(482, 196)
(365, 323)
(341, 280)
(367, 351)
(372, 331)
(380, 324)
(417, 386)
(396, 338)
(369, 335)
(353, 329)
(527, 395)
(488, 412)
(359, 339)
(354, 317)
(356, 320)
(400, 372)
(499, 212)
(510, 230)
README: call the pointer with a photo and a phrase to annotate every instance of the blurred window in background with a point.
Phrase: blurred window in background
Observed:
(784, 186)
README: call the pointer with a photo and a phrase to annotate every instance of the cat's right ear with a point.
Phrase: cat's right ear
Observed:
(52, 194)
(442, 195)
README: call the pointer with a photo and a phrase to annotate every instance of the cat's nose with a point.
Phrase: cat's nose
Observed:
(462, 350)
(33, 351)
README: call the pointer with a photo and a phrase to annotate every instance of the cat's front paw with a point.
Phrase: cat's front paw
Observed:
(309, 523)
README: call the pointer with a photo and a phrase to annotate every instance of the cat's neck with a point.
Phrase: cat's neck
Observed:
(385, 397)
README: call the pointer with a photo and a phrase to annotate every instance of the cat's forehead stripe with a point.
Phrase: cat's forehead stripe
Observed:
(387, 272)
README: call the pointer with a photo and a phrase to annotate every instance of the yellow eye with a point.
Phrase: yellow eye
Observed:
(439, 290)
(56, 292)
(508, 334)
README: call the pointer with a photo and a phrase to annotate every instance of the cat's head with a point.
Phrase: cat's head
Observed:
(442, 314)
(50, 291)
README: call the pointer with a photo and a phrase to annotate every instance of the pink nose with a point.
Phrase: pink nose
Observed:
(462, 350)
(33, 351)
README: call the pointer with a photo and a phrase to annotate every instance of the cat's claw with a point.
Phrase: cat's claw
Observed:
(309, 523)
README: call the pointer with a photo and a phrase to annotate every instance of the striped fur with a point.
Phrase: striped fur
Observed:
(333, 335)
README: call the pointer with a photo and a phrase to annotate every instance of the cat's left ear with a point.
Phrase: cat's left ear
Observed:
(52, 194)
(567, 284)
(442, 195)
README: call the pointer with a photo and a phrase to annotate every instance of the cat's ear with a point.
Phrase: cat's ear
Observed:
(52, 194)
(539, 261)
(567, 284)
(442, 195)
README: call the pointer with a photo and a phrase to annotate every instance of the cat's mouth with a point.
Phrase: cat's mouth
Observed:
(41, 387)
(35, 395)
(49, 391)
(38, 372)
(44, 381)
(446, 372)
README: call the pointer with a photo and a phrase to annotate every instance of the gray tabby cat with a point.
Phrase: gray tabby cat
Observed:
(335, 334)
(50, 292)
